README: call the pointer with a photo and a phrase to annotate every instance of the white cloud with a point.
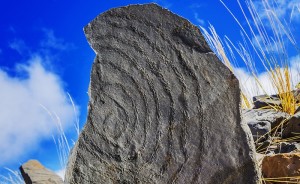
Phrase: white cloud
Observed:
(61, 173)
(295, 13)
(295, 65)
(52, 42)
(49, 43)
(199, 21)
(268, 45)
(197, 5)
(165, 3)
(277, 21)
(283, 9)
(23, 121)
(19, 46)
(250, 86)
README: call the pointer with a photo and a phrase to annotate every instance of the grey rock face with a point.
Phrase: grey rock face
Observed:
(292, 128)
(163, 108)
(263, 101)
(261, 121)
(266, 101)
(34, 172)
(296, 94)
(286, 147)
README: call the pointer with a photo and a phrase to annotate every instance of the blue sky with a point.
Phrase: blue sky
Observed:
(44, 56)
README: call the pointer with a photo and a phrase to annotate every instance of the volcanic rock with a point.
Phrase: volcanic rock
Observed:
(163, 108)
(292, 128)
(285, 147)
(266, 101)
(280, 166)
(296, 94)
(270, 101)
(34, 172)
(261, 121)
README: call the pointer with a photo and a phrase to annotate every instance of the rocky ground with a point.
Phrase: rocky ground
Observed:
(276, 135)
(277, 139)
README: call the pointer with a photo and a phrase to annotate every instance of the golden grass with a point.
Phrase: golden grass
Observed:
(282, 82)
(273, 62)
(288, 180)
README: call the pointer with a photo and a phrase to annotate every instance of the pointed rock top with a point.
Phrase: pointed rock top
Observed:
(34, 172)
(33, 164)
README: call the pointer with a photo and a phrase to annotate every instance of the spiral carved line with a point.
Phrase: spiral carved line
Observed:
(152, 102)
(166, 88)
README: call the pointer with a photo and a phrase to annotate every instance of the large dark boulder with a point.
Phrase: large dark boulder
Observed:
(163, 108)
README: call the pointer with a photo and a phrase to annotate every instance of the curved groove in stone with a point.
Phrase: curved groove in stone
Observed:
(156, 99)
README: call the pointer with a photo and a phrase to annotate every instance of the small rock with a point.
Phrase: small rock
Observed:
(261, 121)
(297, 95)
(266, 101)
(263, 146)
(281, 165)
(285, 147)
(292, 128)
(34, 172)
(260, 129)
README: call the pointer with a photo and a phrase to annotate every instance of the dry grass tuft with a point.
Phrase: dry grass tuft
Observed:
(260, 37)
(266, 39)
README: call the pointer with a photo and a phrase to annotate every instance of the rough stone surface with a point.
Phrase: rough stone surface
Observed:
(281, 165)
(285, 147)
(261, 121)
(296, 94)
(263, 147)
(266, 101)
(297, 109)
(163, 108)
(292, 128)
(269, 101)
(33, 172)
